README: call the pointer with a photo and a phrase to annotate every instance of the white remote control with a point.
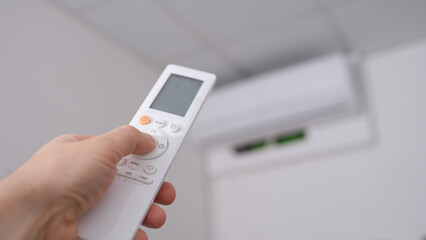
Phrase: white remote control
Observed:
(167, 114)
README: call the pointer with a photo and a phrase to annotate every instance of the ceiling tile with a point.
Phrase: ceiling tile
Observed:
(332, 2)
(210, 62)
(145, 27)
(221, 20)
(79, 4)
(285, 45)
(374, 24)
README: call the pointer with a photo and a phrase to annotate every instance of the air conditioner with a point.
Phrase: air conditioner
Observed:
(277, 101)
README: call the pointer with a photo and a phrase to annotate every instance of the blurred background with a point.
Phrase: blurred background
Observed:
(315, 129)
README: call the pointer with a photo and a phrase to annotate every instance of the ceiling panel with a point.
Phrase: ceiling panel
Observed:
(80, 4)
(284, 45)
(209, 61)
(375, 24)
(332, 2)
(145, 27)
(241, 37)
(221, 20)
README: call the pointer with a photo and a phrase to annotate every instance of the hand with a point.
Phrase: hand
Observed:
(44, 198)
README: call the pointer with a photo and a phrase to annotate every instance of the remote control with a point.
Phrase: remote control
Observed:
(167, 114)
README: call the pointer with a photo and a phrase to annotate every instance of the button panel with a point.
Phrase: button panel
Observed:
(159, 123)
(130, 171)
(135, 167)
(162, 144)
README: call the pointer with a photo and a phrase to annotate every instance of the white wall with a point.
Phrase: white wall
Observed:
(57, 76)
(376, 191)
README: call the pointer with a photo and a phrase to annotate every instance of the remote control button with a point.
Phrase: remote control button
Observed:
(121, 162)
(119, 172)
(143, 179)
(159, 123)
(144, 120)
(150, 169)
(174, 127)
(129, 174)
(162, 144)
(133, 164)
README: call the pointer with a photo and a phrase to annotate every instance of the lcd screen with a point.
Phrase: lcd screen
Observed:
(177, 95)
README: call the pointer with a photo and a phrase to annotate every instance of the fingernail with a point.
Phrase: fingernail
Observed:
(153, 141)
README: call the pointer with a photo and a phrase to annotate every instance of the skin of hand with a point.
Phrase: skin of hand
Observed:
(44, 197)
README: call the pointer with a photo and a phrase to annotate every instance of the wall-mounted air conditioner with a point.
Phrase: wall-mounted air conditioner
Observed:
(281, 100)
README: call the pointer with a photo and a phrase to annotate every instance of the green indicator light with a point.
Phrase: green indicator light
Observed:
(261, 144)
(258, 145)
(289, 138)
(250, 147)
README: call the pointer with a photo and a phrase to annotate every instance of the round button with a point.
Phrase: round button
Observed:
(162, 144)
(133, 164)
(144, 120)
(150, 169)
(174, 127)
(159, 123)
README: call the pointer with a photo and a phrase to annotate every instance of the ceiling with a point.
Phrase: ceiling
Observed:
(239, 38)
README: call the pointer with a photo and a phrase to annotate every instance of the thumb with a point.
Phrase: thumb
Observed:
(123, 141)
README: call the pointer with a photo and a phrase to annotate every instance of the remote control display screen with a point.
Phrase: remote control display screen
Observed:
(177, 95)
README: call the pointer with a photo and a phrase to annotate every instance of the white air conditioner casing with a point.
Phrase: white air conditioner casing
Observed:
(281, 100)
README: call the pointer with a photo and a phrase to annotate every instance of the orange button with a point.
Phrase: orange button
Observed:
(144, 120)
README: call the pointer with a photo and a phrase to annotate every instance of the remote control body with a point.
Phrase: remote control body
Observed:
(167, 114)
